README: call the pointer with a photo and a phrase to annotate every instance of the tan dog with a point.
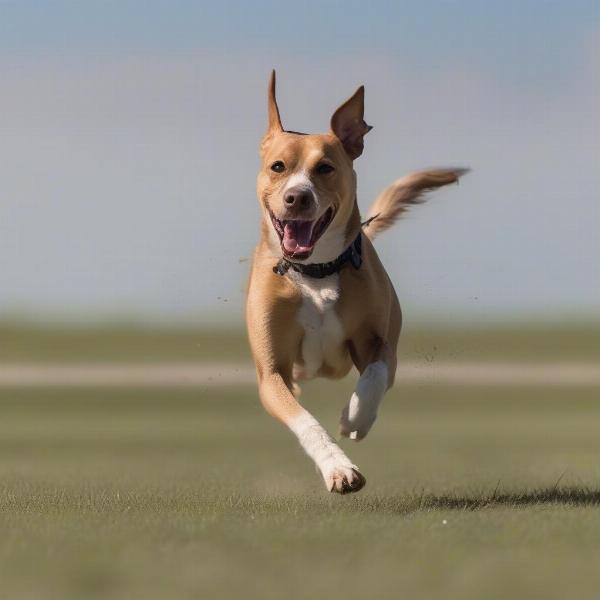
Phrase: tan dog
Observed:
(319, 299)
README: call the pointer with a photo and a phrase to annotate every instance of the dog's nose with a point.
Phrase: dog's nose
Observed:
(299, 198)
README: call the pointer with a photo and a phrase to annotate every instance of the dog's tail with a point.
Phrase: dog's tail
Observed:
(403, 193)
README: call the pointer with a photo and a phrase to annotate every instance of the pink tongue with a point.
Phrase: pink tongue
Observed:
(296, 236)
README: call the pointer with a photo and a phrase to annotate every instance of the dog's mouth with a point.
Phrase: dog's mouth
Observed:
(298, 238)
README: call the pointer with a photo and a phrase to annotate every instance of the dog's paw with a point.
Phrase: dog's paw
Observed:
(357, 418)
(343, 478)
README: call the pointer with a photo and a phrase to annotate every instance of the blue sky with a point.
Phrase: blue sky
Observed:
(128, 129)
(522, 37)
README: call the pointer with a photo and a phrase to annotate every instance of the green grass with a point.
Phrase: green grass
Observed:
(471, 492)
(18, 343)
(116, 344)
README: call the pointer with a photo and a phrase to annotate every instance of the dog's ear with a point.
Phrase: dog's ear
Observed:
(348, 123)
(274, 124)
(274, 118)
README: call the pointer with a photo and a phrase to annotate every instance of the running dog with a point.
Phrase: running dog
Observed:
(319, 299)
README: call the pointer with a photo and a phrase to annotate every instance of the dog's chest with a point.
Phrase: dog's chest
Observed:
(322, 344)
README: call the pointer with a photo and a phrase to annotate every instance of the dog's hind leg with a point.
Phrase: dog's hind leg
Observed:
(338, 471)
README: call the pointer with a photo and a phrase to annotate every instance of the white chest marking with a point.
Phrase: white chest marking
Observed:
(323, 332)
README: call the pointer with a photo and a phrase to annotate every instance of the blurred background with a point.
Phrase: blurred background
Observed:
(135, 459)
(129, 138)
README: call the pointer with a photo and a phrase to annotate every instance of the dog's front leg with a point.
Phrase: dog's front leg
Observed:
(376, 377)
(338, 472)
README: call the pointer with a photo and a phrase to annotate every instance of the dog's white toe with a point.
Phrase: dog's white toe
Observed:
(343, 479)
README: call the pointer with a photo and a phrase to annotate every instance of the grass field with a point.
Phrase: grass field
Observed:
(18, 343)
(472, 491)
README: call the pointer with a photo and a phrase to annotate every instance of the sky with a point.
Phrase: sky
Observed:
(129, 137)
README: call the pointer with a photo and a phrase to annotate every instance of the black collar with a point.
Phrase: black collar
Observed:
(352, 254)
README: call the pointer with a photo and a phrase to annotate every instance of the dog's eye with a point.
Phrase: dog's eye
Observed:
(278, 167)
(324, 168)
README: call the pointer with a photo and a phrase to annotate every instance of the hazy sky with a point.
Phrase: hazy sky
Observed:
(129, 135)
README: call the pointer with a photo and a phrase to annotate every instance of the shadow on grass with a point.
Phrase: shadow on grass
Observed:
(408, 504)
(566, 496)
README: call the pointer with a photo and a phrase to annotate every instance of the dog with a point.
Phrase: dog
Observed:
(319, 300)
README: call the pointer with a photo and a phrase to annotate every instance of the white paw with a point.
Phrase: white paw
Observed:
(360, 413)
(357, 418)
(342, 476)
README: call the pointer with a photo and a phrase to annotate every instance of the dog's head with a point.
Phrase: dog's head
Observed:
(307, 185)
